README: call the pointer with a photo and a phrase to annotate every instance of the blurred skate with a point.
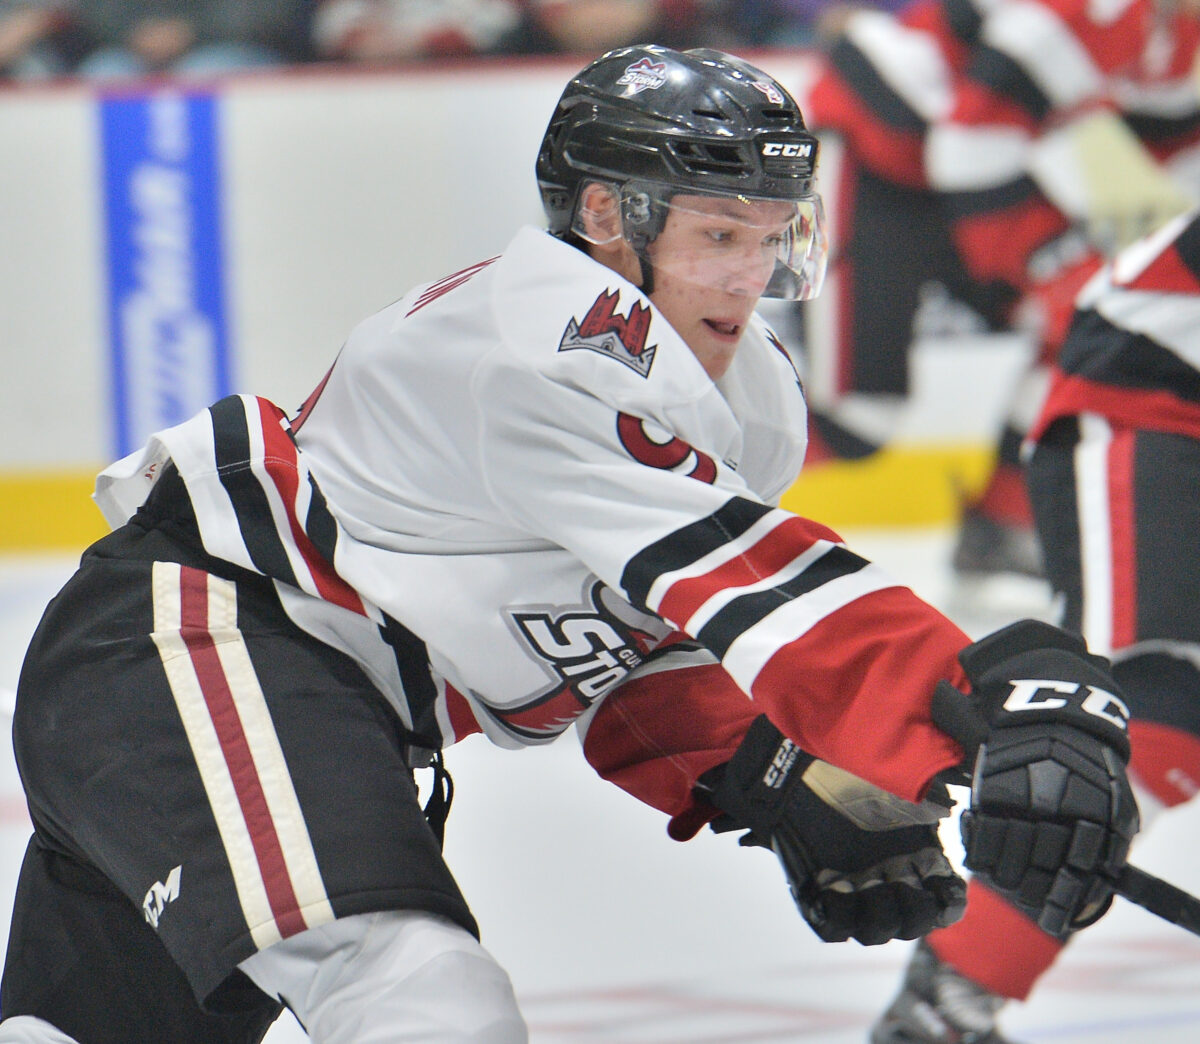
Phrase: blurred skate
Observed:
(987, 546)
(936, 1005)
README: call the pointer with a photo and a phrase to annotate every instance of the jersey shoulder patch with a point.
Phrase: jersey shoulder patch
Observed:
(610, 330)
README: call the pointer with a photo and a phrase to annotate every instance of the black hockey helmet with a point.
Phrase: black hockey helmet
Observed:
(653, 122)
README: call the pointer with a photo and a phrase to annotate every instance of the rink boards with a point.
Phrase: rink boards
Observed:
(166, 243)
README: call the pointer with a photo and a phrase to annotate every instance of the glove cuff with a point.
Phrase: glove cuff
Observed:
(1023, 636)
(752, 786)
(1031, 673)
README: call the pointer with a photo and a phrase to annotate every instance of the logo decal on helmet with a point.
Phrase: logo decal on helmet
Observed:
(642, 75)
(773, 93)
(787, 149)
(605, 331)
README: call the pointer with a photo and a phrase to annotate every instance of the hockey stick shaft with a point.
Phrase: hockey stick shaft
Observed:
(1156, 895)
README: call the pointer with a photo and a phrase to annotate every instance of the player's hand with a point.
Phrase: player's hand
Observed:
(1052, 813)
(861, 863)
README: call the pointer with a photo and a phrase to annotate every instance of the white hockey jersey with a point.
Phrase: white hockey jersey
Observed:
(517, 483)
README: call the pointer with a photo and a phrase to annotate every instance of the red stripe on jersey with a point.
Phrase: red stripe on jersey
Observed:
(306, 407)
(929, 16)
(1055, 298)
(674, 638)
(1185, 35)
(547, 717)
(1006, 498)
(1115, 45)
(227, 723)
(891, 152)
(448, 283)
(774, 550)
(1070, 395)
(855, 689)
(462, 721)
(280, 460)
(1167, 273)
(977, 105)
(997, 244)
(1122, 537)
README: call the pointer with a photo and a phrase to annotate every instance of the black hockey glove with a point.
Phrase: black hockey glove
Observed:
(1052, 813)
(860, 862)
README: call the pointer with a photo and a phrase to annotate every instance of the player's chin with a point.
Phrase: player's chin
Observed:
(715, 353)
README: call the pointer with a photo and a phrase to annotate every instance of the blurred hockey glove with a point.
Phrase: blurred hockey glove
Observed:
(860, 862)
(1052, 813)
(1097, 172)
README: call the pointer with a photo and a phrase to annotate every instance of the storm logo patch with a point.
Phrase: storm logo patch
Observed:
(586, 649)
(605, 330)
(643, 75)
(774, 94)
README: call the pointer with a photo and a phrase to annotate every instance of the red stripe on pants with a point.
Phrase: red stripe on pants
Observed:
(218, 697)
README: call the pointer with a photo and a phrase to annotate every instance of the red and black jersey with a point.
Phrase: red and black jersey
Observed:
(951, 96)
(1133, 351)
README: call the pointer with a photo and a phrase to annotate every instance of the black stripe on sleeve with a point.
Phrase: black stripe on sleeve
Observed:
(1003, 74)
(984, 201)
(1100, 351)
(743, 613)
(863, 78)
(231, 438)
(688, 545)
(420, 691)
(963, 18)
(1160, 129)
(319, 523)
(1187, 245)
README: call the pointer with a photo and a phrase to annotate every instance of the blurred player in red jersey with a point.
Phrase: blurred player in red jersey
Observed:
(1114, 479)
(978, 162)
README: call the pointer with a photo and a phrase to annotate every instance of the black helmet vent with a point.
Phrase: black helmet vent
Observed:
(703, 157)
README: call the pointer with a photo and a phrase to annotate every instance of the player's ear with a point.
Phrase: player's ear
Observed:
(599, 214)
(599, 223)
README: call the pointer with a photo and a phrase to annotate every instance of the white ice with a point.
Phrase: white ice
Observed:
(613, 933)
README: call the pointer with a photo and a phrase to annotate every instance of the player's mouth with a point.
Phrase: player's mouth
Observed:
(725, 330)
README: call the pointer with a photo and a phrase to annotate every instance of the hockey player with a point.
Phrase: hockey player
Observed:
(979, 160)
(534, 493)
(1115, 484)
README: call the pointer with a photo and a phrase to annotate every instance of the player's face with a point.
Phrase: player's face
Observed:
(712, 261)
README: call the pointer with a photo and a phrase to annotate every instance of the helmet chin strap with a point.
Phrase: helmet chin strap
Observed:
(641, 220)
(647, 275)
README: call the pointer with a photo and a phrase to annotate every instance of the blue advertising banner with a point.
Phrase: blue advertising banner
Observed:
(165, 259)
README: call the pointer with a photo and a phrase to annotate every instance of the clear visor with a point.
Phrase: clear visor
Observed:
(740, 244)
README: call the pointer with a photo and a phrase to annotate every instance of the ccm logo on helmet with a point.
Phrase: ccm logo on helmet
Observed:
(788, 149)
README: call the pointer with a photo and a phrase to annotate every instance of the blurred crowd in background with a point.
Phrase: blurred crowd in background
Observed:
(45, 39)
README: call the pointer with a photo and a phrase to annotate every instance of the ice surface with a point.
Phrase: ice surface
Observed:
(613, 933)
